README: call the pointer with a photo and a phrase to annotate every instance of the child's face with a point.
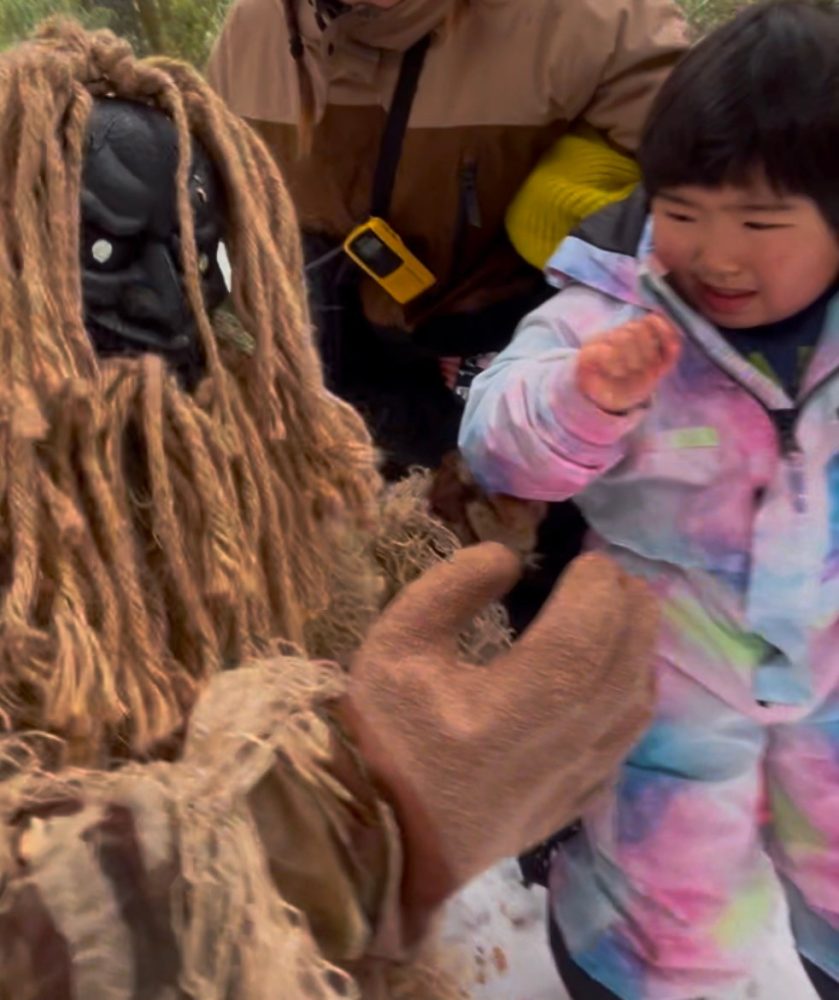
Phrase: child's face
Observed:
(744, 256)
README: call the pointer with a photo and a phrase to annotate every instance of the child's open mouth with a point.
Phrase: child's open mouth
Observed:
(724, 300)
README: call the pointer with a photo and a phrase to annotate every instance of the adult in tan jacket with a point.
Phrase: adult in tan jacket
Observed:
(502, 81)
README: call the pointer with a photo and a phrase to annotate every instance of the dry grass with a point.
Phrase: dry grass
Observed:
(706, 14)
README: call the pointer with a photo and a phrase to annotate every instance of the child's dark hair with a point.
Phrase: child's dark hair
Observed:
(760, 94)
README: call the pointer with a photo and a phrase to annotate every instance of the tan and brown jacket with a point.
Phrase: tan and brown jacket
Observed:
(502, 81)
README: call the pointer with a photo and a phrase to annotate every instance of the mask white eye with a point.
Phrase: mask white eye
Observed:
(203, 263)
(224, 266)
(102, 251)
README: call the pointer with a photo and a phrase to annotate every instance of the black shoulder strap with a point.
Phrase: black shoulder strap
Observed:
(397, 122)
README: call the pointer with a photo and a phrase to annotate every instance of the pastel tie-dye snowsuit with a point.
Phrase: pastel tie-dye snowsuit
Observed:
(724, 494)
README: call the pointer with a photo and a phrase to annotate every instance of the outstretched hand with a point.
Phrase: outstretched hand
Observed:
(482, 762)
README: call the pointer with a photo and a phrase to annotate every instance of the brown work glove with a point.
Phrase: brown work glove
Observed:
(483, 762)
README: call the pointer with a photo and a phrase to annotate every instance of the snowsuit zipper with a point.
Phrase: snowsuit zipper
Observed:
(792, 455)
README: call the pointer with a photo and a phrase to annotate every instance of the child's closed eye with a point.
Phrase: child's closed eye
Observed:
(764, 226)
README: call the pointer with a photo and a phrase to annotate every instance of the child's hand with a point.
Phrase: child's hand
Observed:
(620, 370)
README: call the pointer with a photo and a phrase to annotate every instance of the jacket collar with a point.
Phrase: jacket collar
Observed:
(350, 47)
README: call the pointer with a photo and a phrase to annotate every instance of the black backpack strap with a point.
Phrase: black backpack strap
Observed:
(397, 122)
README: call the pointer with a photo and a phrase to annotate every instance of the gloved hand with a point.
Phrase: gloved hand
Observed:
(482, 762)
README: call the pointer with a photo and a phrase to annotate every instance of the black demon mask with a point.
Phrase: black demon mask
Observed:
(134, 295)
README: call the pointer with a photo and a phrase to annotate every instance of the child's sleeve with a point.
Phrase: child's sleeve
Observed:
(527, 430)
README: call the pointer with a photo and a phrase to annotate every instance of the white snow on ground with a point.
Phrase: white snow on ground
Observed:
(493, 935)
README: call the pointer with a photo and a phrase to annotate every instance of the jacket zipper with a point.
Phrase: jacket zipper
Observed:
(468, 209)
(469, 193)
(784, 422)
(791, 453)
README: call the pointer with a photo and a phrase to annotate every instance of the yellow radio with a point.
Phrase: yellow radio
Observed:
(380, 252)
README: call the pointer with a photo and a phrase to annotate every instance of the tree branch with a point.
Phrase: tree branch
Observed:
(149, 14)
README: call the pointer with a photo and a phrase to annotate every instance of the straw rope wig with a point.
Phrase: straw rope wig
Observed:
(151, 536)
